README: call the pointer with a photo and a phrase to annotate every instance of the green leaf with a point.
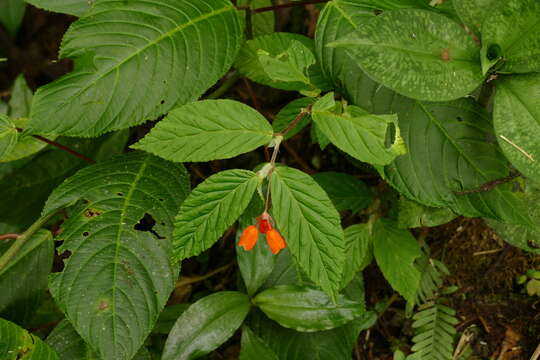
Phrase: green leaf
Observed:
(288, 113)
(359, 249)
(207, 130)
(358, 133)
(257, 264)
(30, 183)
(205, 325)
(310, 225)
(8, 136)
(417, 53)
(474, 12)
(17, 343)
(119, 49)
(434, 324)
(11, 14)
(306, 308)
(291, 65)
(345, 191)
(248, 61)
(288, 344)
(285, 271)
(119, 275)
(70, 346)
(24, 279)
(452, 155)
(21, 98)
(263, 22)
(396, 251)
(523, 237)
(211, 208)
(516, 118)
(254, 348)
(512, 33)
(412, 214)
(71, 7)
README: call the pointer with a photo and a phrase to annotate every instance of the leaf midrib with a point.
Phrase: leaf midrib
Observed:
(156, 41)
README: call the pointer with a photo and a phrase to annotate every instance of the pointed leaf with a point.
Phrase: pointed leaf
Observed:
(310, 225)
(396, 251)
(24, 279)
(17, 343)
(401, 48)
(358, 133)
(254, 348)
(516, 118)
(205, 325)
(306, 309)
(119, 51)
(512, 32)
(211, 208)
(119, 275)
(345, 191)
(207, 130)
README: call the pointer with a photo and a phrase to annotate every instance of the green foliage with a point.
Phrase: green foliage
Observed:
(345, 191)
(289, 112)
(8, 135)
(359, 249)
(11, 14)
(205, 325)
(18, 343)
(118, 276)
(412, 214)
(24, 278)
(307, 309)
(71, 7)
(114, 64)
(252, 347)
(310, 224)
(207, 130)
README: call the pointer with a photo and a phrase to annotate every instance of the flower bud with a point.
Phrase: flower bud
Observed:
(249, 237)
(275, 241)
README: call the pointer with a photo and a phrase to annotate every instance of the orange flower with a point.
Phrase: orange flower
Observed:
(249, 237)
(275, 241)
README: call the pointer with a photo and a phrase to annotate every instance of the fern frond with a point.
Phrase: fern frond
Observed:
(434, 324)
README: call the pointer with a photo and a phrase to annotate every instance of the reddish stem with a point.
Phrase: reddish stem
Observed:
(9, 236)
(65, 148)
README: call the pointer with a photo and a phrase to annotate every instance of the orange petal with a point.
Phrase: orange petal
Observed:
(249, 237)
(275, 241)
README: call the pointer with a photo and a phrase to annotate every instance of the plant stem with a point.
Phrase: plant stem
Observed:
(489, 185)
(9, 236)
(296, 120)
(65, 148)
(225, 86)
(21, 239)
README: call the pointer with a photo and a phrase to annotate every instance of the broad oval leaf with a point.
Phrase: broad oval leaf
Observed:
(396, 251)
(207, 130)
(516, 118)
(17, 343)
(119, 274)
(205, 325)
(24, 278)
(452, 155)
(210, 209)
(417, 53)
(311, 226)
(69, 345)
(71, 7)
(8, 136)
(358, 133)
(178, 48)
(345, 191)
(306, 309)
(512, 34)
(253, 347)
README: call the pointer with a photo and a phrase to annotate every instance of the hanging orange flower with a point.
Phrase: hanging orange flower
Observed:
(249, 237)
(275, 241)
